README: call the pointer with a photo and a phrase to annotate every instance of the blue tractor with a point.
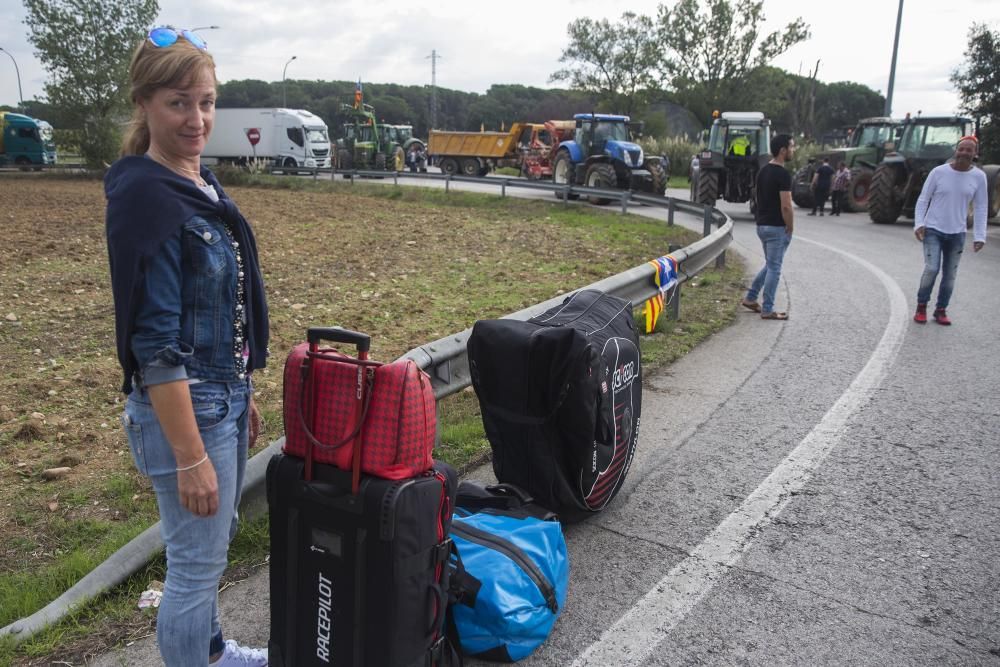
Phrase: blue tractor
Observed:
(601, 155)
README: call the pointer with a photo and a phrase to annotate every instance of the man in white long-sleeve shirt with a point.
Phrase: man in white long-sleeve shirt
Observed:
(939, 222)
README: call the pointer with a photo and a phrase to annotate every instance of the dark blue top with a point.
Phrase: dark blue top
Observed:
(824, 175)
(170, 260)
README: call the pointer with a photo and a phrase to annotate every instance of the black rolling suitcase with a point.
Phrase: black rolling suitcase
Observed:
(358, 580)
(561, 396)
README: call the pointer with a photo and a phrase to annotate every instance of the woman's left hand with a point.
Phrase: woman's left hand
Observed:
(255, 424)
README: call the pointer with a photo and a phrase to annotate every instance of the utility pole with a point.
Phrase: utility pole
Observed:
(434, 103)
(892, 68)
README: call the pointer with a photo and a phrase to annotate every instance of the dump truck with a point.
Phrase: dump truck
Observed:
(286, 138)
(25, 141)
(926, 142)
(739, 144)
(526, 147)
(866, 145)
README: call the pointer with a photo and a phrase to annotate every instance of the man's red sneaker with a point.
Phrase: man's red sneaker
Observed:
(921, 315)
(941, 317)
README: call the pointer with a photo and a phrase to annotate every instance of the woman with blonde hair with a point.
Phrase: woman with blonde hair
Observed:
(191, 325)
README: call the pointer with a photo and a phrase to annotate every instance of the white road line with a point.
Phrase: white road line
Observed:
(635, 636)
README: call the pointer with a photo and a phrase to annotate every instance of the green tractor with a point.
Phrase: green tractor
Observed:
(739, 144)
(398, 140)
(865, 149)
(367, 144)
(926, 142)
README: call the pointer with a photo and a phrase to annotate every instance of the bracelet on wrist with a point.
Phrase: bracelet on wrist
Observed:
(193, 465)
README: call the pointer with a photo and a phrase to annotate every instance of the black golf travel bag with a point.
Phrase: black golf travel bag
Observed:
(358, 580)
(560, 396)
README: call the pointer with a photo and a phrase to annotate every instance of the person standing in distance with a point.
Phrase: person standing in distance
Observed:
(191, 324)
(775, 223)
(841, 181)
(821, 186)
(939, 223)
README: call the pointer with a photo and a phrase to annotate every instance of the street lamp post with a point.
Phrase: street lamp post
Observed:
(284, 98)
(20, 95)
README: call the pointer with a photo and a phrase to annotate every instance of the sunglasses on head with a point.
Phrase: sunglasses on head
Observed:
(167, 35)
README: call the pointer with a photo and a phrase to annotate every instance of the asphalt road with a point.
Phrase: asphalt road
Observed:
(824, 490)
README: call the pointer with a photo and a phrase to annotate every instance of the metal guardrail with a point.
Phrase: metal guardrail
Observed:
(445, 361)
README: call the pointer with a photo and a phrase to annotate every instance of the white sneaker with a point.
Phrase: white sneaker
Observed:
(241, 656)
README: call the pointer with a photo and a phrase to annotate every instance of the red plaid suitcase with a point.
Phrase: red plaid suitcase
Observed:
(354, 413)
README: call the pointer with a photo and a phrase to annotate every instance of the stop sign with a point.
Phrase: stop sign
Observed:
(253, 134)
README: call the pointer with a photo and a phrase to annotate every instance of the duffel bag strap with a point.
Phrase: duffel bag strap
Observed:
(311, 439)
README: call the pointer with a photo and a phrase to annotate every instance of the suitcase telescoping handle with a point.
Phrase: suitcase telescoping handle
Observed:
(337, 335)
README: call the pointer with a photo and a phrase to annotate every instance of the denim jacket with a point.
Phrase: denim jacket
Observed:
(184, 323)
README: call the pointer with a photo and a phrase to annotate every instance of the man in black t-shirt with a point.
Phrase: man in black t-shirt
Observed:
(821, 186)
(774, 226)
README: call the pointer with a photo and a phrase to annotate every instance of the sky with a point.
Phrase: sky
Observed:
(520, 42)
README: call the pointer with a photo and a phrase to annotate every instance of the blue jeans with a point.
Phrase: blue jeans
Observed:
(775, 241)
(938, 247)
(187, 625)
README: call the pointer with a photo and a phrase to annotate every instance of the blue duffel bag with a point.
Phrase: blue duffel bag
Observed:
(510, 573)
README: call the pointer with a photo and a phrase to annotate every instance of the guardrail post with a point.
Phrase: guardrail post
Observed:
(395, 177)
(720, 261)
(503, 188)
(670, 212)
(708, 220)
(565, 197)
(624, 200)
(315, 173)
(675, 297)
(447, 183)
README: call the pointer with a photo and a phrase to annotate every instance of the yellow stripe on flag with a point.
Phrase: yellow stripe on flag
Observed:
(654, 306)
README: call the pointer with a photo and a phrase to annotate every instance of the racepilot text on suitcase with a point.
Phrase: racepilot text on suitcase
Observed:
(561, 396)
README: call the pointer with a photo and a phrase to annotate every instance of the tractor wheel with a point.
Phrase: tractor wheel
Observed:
(992, 189)
(344, 159)
(601, 175)
(562, 173)
(884, 206)
(708, 187)
(449, 165)
(802, 193)
(659, 172)
(397, 159)
(380, 161)
(859, 190)
(470, 166)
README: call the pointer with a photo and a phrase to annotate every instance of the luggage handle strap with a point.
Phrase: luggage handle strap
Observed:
(369, 381)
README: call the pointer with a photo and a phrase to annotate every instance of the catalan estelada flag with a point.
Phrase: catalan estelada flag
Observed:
(664, 278)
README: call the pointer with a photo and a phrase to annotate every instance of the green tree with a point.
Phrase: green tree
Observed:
(712, 52)
(844, 103)
(86, 46)
(616, 62)
(978, 83)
